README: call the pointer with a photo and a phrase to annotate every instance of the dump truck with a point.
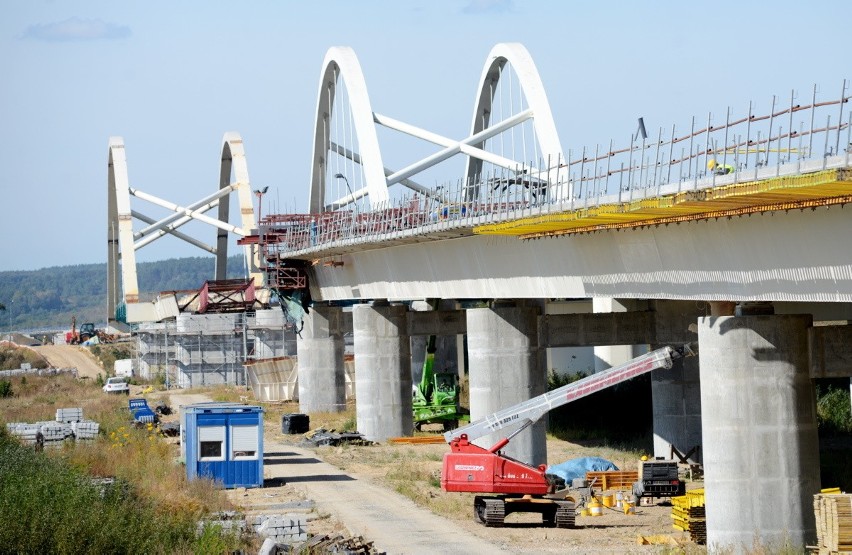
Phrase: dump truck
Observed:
(514, 486)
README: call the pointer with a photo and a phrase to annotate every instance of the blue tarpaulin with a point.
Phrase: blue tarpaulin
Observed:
(577, 468)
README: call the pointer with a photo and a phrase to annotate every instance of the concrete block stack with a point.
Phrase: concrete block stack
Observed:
(23, 431)
(69, 424)
(85, 430)
(69, 415)
(228, 521)
(55, 431)
(287, 529)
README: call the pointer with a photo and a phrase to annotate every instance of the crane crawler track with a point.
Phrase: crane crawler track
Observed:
(490, 511)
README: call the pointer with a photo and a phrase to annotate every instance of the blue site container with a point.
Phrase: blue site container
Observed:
(223, 441)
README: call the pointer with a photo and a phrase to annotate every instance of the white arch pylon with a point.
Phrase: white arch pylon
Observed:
(530, 81)
(343, 62)
(123, 242)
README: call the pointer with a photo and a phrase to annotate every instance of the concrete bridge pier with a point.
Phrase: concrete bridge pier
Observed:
(504, 369)
(322, 382)
(382, 371)
(676, 392)
(676, 399)
(761, 452)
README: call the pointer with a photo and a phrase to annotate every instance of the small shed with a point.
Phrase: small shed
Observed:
(223, 441)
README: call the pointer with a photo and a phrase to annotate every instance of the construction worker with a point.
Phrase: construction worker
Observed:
(719, 169)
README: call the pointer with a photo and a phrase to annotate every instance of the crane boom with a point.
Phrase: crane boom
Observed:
(528, 412)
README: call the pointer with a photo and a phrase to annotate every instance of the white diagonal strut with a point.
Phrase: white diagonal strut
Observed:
(442, 155)
(463, 146)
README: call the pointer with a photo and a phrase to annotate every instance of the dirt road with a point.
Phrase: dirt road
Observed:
(71, 356)
(392, 522)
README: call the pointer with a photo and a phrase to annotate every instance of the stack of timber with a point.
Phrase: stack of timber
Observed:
(833, 522)
(612, 479)
(688, 515)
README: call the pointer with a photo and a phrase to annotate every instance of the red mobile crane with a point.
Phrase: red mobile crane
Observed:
(519, 486)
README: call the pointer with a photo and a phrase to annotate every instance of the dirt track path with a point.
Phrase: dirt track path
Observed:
(394, 523)
(71, 356)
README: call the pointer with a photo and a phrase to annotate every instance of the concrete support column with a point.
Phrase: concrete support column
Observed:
(676, 397)
(676, 393)
(322, 382)
(504, 369)
(382, 371)
(761, 455)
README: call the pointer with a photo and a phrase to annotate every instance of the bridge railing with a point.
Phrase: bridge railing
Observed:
(789, 139)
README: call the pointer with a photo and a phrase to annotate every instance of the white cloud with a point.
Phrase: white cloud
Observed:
(76, 29)
(488, 6)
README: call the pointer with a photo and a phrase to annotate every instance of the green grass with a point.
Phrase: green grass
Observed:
(49, 506)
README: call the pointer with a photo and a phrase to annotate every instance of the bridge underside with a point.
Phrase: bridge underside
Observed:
(731, 258)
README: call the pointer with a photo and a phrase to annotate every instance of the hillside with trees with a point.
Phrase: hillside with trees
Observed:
(47, 298)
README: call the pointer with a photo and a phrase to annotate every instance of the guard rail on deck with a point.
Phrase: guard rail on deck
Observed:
(787, 142)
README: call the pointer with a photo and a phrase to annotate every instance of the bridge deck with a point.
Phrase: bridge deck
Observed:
(779, 193)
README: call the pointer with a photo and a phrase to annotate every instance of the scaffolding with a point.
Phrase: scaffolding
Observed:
(198, 350)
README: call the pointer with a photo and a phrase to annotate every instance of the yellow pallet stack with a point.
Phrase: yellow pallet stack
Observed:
(833, 522)
(688, 515)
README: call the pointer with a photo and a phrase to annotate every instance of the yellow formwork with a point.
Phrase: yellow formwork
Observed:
(779, 193)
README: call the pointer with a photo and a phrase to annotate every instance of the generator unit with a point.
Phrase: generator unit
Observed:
(658, 478)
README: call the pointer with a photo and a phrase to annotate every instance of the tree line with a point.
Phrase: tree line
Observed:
(49, 297)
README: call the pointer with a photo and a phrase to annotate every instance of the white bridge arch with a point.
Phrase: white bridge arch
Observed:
(530, 82)
(342, 63)
(123, 241)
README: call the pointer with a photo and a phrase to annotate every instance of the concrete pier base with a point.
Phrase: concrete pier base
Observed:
(382, 371)
(761, 455)
(322, 381)
(504, 369)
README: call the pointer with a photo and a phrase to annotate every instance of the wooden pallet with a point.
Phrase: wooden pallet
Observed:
(612, 479)
(833, 522)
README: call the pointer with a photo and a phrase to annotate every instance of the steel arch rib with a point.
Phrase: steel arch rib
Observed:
(342, 59)
(119, 231)
(234, 159)
(545, 129)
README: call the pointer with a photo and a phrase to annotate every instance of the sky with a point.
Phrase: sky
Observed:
(171, 78)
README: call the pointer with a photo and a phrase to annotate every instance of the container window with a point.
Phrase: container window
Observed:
(244, 442)
(210, 440)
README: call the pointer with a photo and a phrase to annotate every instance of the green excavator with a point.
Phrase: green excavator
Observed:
(436, 397)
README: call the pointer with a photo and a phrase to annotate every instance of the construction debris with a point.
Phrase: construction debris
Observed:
(171, 429)
(321, 437)
(659, 539)
(338, 544)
